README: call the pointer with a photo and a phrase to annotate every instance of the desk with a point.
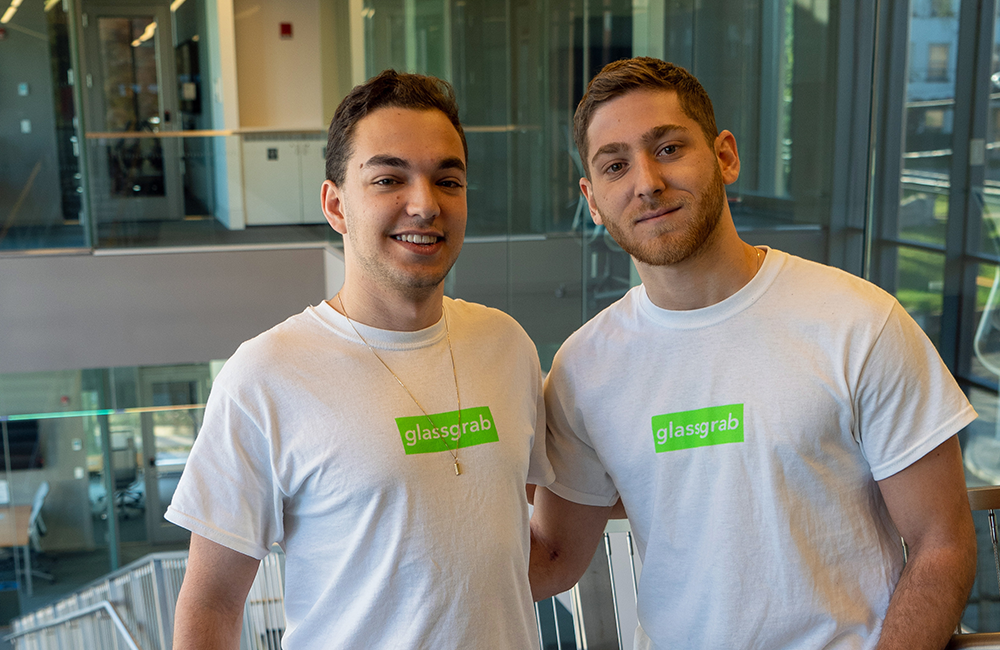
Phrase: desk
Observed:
(14, 533)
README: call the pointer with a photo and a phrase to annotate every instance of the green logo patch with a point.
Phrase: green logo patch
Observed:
(442, 431)
(715, 425)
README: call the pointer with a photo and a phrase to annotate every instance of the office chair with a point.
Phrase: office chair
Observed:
(37, 529)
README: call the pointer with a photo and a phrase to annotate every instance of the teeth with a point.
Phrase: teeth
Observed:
(417, 239)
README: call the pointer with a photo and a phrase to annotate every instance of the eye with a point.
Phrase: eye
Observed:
(451, 184)
(614, 168)
(386, 182)
(669, 150)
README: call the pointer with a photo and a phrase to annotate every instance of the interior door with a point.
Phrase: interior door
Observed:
(167, 437)
(130, 86)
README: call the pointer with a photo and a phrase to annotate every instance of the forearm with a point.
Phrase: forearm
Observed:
(927, 605)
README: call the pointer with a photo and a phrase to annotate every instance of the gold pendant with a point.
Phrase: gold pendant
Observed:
(458, 470)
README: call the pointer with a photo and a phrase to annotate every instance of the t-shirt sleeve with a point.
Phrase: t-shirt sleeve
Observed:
(907, 402)
(227, 492)
(580, 475)
(539, 468)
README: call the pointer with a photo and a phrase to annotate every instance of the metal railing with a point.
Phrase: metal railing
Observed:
(81, 629)
(133, 607)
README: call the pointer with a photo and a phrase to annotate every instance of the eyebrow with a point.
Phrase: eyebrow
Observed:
(452, 163)
(648, 138)
(658, 132)
(385, 160)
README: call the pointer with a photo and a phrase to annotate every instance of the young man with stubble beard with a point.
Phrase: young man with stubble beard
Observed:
(772, 426)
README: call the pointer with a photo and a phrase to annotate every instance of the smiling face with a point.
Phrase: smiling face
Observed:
(402, 205)
(655, 182)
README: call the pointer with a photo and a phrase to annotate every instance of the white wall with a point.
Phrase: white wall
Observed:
(280, 80)
(72, 312)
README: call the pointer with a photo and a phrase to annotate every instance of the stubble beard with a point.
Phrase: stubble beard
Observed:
(385, 274)
(674, 247)
(407, 284)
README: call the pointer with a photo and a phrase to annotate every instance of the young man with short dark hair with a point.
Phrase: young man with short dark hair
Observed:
(383, 438)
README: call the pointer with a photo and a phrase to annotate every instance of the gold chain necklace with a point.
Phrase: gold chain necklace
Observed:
(458, 397)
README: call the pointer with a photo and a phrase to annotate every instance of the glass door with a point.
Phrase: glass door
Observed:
(168, 434)
(130, 87)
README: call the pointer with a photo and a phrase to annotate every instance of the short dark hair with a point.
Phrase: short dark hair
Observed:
(389, 88)
(642, 73)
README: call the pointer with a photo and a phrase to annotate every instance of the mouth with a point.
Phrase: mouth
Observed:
(425, 240)
(660, 212)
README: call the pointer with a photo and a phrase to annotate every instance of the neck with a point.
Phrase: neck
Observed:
(723, 266)
(390, 311)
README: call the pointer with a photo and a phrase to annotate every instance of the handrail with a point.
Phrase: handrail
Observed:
(984, 640)
(984, 498)
(104, 604)
(131, 566)
(133, 135)
(207, 133)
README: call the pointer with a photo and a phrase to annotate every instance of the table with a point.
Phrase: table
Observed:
(14, 534)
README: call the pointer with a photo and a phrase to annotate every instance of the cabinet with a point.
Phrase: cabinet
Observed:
(282, 175)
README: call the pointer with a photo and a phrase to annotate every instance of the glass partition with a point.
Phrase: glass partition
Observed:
(520, 68)
(110, 136)
(91, 459)
(41, 176)
(232, 189)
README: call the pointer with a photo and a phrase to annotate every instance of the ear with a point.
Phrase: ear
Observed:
(728, 157)
(588, 193)
(333, 206)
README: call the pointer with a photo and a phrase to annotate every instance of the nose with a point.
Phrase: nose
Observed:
(649, 181)
(422, 200)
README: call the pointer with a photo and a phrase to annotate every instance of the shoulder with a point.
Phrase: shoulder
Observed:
(469, 319)
(281, 346)
(605, 333)
(493, 338)
(623, 313)
(820, 289)
(800, 271)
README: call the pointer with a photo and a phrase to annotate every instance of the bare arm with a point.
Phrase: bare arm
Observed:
(564, 537)
(929, 505)
(617, 511)
(210, 605)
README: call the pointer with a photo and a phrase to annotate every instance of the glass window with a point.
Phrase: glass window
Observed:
(919, 287)
(41, 182)
(985, 363)
(520, 68)
(937, 62)
(942, 8)
(989, 240)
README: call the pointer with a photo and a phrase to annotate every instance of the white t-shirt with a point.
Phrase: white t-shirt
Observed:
(309, 442)
(745, 440)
